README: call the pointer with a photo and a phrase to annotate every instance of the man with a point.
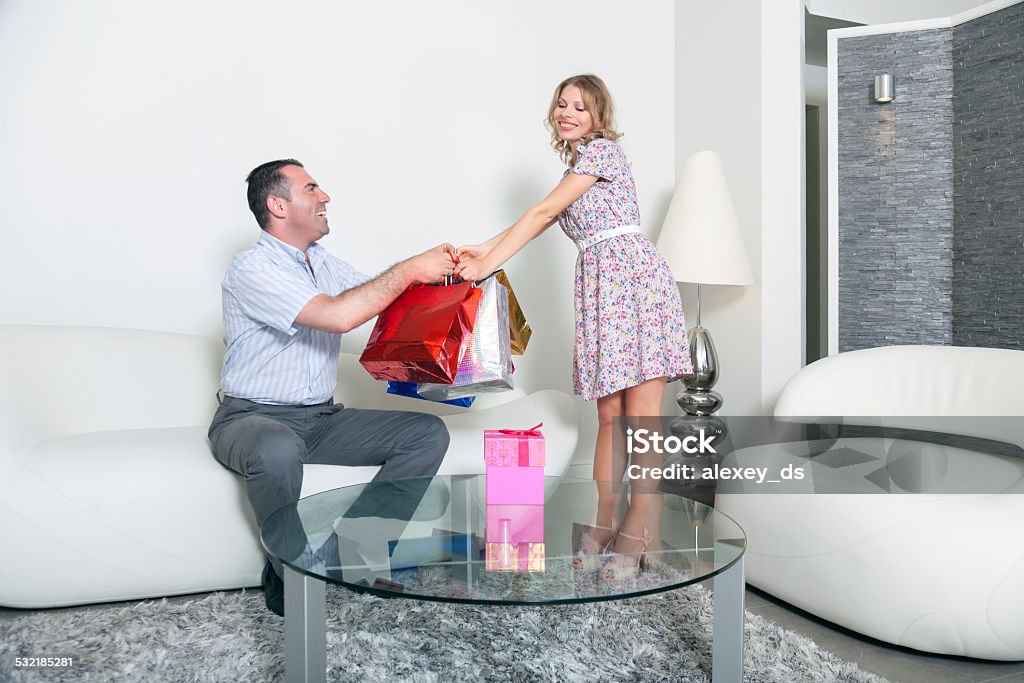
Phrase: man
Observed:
(286, 304)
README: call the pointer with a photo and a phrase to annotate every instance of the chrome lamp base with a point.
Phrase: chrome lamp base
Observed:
(699, 402)
(698, 398)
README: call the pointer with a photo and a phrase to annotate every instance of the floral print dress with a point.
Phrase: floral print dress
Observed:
(629, 318)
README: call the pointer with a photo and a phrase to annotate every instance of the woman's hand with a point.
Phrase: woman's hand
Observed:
(473, 262)
(472, 269)
(473, 251)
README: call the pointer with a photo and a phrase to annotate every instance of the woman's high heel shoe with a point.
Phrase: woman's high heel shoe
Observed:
(621, 566)
(592, 553)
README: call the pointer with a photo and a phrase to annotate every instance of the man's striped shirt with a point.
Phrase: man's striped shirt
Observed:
(270, 359)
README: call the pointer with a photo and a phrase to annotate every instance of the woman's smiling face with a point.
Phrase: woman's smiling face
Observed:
(572, 120)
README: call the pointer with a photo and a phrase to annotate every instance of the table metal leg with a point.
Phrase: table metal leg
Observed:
(464, 516)
(727, 648)
(305, 628)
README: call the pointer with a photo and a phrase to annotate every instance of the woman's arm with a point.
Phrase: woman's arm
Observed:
(493, 242)
(476, 264)
(481, 250)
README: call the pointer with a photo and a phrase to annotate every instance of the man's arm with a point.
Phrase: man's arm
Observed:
(353, 307)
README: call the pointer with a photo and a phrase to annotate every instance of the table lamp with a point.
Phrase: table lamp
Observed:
(701, 241)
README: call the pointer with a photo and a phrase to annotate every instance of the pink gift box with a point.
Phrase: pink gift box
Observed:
(505, 557)
(515, 466)
(515, 524)
(515, 538)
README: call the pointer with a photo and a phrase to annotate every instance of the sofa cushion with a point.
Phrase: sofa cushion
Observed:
(133, 509)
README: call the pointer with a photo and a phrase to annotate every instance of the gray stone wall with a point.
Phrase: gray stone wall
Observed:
(988, 171)
(895, 191)
(931, 224)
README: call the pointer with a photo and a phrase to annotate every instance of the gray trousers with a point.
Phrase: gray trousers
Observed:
(268, 445)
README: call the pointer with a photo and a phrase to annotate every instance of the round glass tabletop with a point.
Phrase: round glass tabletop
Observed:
(439, 539)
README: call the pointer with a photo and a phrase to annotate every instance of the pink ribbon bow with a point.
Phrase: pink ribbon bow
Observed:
(532, 431)
(524, 443)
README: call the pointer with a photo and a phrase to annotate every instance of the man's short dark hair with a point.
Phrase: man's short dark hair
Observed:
(266, 180)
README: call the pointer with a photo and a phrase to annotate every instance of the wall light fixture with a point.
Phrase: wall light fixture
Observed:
(884, 91)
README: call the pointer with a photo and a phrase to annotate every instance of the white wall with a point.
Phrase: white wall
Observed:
(128, 129)
(783, 199)
(739, 91)
(718, 105)
(815, 85)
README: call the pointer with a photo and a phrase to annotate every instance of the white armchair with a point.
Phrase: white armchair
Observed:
(938, 573)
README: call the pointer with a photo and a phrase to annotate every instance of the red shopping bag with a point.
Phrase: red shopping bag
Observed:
(420, 336)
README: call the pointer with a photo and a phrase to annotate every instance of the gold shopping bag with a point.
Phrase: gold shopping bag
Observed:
(519, 329)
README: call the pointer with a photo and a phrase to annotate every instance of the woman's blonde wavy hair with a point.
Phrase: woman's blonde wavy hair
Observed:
(598, 102)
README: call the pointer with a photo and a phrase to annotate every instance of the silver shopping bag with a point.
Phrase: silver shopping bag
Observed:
(486, 366)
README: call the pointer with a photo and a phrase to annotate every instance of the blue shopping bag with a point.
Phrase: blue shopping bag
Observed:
(409, 389)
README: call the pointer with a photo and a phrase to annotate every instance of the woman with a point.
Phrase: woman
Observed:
(630, 330)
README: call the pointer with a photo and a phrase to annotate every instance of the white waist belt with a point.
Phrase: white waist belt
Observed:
(588, 242)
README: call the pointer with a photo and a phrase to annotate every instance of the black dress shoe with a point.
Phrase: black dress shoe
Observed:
(273, 590)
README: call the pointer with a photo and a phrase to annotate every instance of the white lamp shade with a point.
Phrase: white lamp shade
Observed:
(700, 238)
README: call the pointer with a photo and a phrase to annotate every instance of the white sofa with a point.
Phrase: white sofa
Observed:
(940, 573)
(108, 488)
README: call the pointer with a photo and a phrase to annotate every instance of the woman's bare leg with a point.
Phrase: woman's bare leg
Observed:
(608, 469)
(607, 475)
(642, 406)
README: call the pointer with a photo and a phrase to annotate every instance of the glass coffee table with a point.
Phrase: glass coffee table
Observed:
(438, 539)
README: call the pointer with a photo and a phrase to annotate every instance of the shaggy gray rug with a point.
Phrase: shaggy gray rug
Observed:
(232, 637)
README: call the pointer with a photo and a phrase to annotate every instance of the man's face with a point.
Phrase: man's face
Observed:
(306, 212)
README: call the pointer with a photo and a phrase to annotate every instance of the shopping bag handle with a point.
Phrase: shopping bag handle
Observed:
(449, 280)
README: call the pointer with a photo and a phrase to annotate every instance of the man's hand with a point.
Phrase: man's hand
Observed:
(433, 265)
